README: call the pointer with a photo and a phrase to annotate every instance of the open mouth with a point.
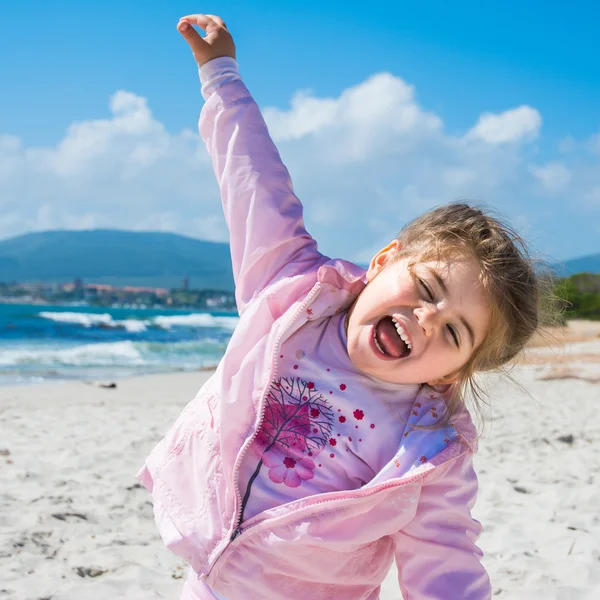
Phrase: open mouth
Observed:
(390, 339)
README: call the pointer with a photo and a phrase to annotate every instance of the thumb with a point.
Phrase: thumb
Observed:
(194, 40)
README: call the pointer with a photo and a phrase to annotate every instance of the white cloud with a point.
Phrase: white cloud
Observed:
(567, 145)
(159, 221)
(364, 164)
(509, 126)
(594, 143)
(593, 196)
(554, 176)
(124, 171)
(381, 110)
(456, 176)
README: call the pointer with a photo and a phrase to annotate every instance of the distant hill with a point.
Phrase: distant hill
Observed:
(116, 257)
(584, 264)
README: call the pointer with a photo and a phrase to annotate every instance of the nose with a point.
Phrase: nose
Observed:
(427, 317)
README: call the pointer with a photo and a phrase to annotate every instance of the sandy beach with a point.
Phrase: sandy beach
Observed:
(74, 524)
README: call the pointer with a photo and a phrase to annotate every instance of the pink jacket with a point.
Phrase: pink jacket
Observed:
(334, 546)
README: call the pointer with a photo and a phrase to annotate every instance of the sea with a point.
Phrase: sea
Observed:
(51, 343)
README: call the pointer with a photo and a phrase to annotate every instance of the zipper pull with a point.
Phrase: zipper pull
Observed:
(236, 532)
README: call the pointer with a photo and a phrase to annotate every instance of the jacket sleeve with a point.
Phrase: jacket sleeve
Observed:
(436, 554)
(267, 235)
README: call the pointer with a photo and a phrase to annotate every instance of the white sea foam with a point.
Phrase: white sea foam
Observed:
(133, 325)
(74, 318)
(112, 353)
(195, 320)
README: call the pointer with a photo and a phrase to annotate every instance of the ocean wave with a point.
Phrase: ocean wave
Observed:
(192, 321)
(196, 320)
(109, 354)
(89, 320)
(116, 354)
(132, 325)
(74, 318)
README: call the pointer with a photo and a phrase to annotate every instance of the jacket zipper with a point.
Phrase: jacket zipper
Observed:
(273, 370)
(356, 496)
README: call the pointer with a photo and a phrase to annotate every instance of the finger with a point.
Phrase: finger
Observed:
(218, 21)
(203, 21)
(191, 36)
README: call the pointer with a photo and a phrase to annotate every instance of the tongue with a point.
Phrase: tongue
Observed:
(389, 340)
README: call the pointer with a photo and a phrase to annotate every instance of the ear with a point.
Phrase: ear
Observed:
(381, 258)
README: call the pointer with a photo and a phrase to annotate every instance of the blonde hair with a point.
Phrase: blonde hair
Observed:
(515, 291)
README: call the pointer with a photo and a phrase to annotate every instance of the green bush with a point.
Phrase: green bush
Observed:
(581, 294)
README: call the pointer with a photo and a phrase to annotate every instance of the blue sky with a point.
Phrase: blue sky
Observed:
(64, 60)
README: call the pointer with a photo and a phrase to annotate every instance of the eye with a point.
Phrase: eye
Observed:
(454, 335)
(427, 289)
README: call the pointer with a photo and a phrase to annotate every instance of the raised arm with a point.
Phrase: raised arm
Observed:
(436, 554)
(267, 234)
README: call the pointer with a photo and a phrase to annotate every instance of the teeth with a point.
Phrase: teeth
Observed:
(377, 344)
(401, 333)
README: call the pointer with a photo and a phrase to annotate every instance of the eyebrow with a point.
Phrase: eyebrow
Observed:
(440, 281)
(444, 287)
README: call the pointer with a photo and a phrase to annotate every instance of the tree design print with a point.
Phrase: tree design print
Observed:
(297, 425)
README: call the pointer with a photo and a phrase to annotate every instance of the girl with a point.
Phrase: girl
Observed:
(332, 437)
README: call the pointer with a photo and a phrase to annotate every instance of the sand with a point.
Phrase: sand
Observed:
(74, 524)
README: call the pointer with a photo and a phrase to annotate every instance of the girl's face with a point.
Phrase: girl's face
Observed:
(417, 325)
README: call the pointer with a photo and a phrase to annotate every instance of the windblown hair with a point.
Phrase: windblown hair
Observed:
(515, 291)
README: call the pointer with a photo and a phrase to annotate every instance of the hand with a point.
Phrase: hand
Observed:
(217, 41)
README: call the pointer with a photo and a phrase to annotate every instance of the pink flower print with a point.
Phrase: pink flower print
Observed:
(423, 459)
(292, 436)
(290, 470)
(342, 386)
(309, 312)
(297, 421)
(333, 441)
(414, 412)
(342, 419)
(418, 404)
(372, 425)
(358, 414)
